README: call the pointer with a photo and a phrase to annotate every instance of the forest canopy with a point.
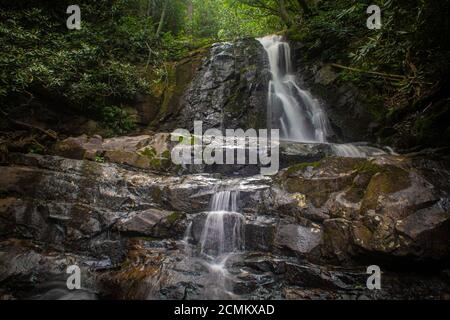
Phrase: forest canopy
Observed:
(123, 46)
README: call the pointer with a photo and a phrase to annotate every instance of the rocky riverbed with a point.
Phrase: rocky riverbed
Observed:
(134, 222)
(310, 231)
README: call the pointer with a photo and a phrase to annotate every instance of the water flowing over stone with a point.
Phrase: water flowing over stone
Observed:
(221, 239)
(222, 232)
(299, 116)
(224, 201)
(348, 151)
(291, 109)
(301, 234)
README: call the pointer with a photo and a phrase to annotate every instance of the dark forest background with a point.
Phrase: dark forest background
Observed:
(124, 50)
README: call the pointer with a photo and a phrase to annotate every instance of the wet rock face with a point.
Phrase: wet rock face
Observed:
(298, 239)
(35, 273)
(152, 223)
(126, 227)
(144, 152)
(260, 234)
(346, 107)
(380, 207)
(229, 90)
(72, 204)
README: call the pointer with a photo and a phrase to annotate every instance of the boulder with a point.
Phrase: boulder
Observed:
(381, 207)
(260, 234)
(78, 147)
(25, 268)
(298, 239)
(144, 152)
(318, 180)
(152, 223)
(58, 223)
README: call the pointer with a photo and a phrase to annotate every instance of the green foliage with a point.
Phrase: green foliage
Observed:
(149, 152)
(302, 166)
(117, 120)
(175, 48)
(36, 149)
(99, 159)
(125, 48)
(229, 19)
(402, 46)
(88, 70)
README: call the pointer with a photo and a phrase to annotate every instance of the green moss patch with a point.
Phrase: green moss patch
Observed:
(387, 181)
(174, 217)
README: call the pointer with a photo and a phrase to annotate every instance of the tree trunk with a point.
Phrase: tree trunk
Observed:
(163, 18)
(190, 10)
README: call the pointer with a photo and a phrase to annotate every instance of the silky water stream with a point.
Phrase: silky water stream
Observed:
(221, 238)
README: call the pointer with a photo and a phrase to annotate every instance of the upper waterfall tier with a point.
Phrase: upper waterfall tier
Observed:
(291, 109)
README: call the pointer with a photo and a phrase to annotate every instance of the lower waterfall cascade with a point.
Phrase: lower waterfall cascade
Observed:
(221, 238)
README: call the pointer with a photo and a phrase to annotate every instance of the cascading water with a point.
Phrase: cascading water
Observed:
(299, 116)
(214, 240)
(294, 111)
(222, 232)
(221, 238)
(348, 150)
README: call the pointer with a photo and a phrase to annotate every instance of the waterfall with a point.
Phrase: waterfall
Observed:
(222, 232)
(299, 116)
(224, 201)
(221, 238)
(293, 110)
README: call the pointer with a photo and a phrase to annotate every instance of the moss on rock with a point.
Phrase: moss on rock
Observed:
(387, 180)
(174, 217)
(302, 166)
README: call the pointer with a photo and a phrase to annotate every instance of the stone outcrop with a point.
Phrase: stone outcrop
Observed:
(154, 152)
(229, 90)
(144, 152)
(126, 227)
(380, 207)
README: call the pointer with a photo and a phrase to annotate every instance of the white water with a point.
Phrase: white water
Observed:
(293, 110)
(222, 236)
(222, 232)
(299, 116)
(221, 239)
(348, 151)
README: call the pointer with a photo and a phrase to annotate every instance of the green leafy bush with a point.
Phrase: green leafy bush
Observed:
(118, 120)
(85, 70)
